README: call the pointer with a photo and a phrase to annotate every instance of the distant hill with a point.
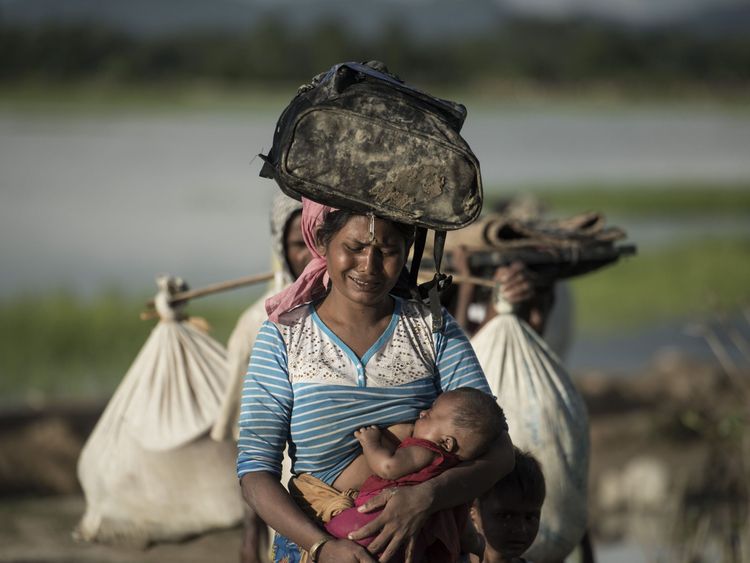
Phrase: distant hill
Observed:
(424, 18)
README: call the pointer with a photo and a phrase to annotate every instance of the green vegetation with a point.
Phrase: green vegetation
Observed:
(683, 199)
(106, 97)
(553, 54)
(103, 97)
(63, 346)
(686, 280)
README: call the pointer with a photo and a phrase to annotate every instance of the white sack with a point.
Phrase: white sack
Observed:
(547, 417)
(149, 470)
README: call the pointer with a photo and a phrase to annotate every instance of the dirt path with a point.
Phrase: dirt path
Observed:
(645, 458)
(39, 530)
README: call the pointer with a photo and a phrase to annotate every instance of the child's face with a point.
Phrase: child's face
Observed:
(436, 423)
(508, 520)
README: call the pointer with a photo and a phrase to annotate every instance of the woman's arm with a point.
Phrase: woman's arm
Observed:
(471, 479)
(264, 493)
(405, 510)
(267, 401)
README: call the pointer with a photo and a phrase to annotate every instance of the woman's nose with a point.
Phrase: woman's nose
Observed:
(371, 260)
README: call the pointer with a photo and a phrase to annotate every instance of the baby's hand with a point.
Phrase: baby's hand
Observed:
(368, 435)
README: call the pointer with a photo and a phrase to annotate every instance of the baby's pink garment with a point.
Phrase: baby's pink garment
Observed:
(439, 539)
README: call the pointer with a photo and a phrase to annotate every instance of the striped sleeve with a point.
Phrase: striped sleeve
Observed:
(457, 364)
(266, 406)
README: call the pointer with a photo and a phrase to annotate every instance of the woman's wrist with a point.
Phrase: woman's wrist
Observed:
(430, 491)
(317, 547)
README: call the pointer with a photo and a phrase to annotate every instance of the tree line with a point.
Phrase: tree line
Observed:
(544, 52)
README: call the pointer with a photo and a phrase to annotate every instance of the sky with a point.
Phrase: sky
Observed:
(628, 10)
(639, 12)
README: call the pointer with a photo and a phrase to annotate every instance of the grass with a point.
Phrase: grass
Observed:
(63, 346)
(683, 281)
(103, 96)
(684, 199)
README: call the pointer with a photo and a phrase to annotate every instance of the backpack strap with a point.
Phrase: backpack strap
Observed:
(429, 292)
(420, 238)
(438, 283)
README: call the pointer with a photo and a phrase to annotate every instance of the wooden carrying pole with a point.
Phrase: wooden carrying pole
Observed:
(208, 290)
(257, 278)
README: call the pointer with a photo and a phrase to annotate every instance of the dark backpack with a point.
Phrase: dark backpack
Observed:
(360, 139)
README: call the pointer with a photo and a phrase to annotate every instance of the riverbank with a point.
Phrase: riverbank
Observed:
(103, 96)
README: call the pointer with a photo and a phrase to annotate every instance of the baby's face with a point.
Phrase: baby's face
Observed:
(436, 422)
(509, 521)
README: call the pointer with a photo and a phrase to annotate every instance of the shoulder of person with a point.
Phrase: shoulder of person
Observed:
(295, 318)
(415, 309)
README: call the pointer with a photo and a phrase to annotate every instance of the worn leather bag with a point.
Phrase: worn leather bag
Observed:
(360, 139)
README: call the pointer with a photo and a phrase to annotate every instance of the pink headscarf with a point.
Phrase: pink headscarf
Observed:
(313, 281)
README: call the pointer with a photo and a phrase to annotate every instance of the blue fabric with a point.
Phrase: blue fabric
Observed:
(319, 419)
(285, 550)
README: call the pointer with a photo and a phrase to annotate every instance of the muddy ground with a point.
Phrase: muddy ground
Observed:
(653, 436)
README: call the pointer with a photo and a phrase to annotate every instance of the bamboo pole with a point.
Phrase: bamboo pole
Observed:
(250, 280)
(208, 290)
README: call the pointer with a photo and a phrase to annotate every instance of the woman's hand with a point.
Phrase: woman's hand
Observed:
(405, 512)
(345, 551)
(531, 301)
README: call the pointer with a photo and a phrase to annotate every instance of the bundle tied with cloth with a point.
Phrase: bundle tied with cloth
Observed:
(552, 249)
(149, 470)
(546, 414)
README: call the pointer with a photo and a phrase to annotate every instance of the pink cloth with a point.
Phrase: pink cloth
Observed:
(443, 460)
(439, 540)
(313, 281)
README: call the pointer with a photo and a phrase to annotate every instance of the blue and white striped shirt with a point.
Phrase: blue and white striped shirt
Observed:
(305, 386)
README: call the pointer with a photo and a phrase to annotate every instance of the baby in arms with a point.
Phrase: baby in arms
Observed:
(460, 425)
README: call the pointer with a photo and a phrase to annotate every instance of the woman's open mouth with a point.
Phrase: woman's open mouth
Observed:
(366, 284)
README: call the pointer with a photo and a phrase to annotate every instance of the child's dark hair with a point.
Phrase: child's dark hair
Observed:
(527, 477)
(334, 221)
(479, 412)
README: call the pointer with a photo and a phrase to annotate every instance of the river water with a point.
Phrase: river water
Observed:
(113, 199)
